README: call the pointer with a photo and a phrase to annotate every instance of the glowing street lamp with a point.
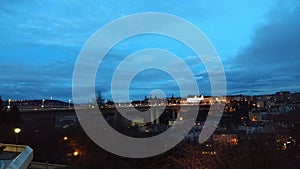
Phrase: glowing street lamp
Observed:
(90, 103)
(17, 131)
(75, 153)
(65, 138)
(9, 100)
(43, 103)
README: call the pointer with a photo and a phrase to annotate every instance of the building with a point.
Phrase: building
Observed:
(226, 138)
(194, 98)
(14, 156)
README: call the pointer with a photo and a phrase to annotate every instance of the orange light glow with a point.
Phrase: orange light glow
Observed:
(75, 153)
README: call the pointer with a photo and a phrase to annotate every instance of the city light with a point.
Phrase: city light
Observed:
(43, 103)
(75, 153)
(9, 100)
(17, 130)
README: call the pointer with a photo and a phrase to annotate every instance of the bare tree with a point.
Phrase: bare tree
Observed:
(100, 99)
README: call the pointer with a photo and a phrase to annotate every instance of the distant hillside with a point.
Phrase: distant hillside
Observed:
(35, 103)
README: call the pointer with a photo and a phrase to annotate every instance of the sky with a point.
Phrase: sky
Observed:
(258, 43)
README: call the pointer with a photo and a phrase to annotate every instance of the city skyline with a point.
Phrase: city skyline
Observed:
(259, 50)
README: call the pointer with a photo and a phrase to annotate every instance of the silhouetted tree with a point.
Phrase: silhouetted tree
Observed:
(100, 99)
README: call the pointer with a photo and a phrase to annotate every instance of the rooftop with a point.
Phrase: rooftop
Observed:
(14, 156)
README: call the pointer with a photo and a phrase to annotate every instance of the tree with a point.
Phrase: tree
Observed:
(100, 99)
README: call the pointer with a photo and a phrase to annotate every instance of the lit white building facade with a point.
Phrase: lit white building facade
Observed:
(194, 98)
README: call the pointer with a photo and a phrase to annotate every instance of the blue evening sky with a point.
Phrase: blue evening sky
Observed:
(257, 41)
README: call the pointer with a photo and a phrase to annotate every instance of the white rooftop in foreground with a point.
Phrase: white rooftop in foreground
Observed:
(15, 156)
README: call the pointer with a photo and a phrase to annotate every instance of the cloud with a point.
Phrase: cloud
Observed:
(36, 81)
(39, 46)
(275, 44)
(271, 61)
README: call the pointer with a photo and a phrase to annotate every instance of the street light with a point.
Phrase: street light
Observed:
(70, 103)
(75, 153)
(17, 131)
(65, 138)
(9, 100)
(43, 103)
